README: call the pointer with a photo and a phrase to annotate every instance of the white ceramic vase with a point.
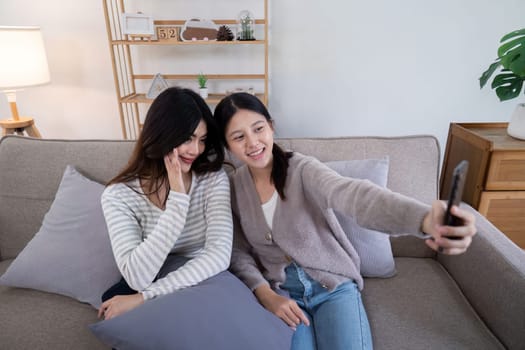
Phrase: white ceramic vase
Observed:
(203, 92)
(516, 126)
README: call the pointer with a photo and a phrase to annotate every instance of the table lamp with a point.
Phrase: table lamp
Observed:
(23, 63)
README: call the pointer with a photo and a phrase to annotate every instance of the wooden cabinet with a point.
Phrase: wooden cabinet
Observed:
(130, 83)
(495, 183)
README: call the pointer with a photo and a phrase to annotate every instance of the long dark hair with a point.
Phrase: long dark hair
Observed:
(223, 114)
(171, 120)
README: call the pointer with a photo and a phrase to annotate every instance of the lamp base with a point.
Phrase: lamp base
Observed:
(12, 126)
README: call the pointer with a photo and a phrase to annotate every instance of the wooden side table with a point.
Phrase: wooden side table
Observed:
(495, 184)
(23, 124)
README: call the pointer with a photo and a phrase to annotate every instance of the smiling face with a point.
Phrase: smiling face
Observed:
(250, 138)
(193, 147)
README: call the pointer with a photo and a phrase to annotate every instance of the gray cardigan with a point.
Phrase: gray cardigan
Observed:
(305, 228)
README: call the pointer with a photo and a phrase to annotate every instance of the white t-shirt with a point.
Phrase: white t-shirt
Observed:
(269, 209)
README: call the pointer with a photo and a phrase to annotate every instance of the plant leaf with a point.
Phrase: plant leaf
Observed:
(513, 34)
(515, 43)
(512, 53)
(517, 66)
(507, 85)
(488, 73)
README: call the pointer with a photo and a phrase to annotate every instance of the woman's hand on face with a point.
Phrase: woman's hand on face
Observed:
(450, 240)
(119, 304)
(284, 308)
(172, 163)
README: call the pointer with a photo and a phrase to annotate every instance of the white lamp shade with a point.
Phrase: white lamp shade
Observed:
(23, 60)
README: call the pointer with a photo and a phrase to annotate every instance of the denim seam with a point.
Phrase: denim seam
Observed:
(363, 346)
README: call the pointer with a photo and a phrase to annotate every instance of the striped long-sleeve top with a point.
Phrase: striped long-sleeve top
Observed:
(197, 225)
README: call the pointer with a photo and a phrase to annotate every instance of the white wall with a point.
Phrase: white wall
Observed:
(340, 67)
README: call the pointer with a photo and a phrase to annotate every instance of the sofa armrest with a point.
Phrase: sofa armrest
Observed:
(491, 275)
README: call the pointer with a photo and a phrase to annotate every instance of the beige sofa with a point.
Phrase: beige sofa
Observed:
(472, 301)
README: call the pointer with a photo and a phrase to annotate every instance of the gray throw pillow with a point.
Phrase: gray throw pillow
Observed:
(219, 313)
(373, 247)
(71, 253)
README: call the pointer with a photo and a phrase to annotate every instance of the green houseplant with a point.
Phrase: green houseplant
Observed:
(246, 24)
(511, 59)
(508, 83)
(203, 88)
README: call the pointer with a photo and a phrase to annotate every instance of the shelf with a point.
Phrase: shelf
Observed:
(127, 70)
(171, 22)
(202, 42)
(209, 76)
(141, 98)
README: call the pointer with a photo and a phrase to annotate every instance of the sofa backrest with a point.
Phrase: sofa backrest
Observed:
(31, 170)
(414, 160)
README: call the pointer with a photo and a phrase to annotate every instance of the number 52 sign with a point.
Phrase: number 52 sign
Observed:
(167, 33)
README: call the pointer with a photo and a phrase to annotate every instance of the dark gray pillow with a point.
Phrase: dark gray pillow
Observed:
(219, 313)
(71, 253)
(373, 247)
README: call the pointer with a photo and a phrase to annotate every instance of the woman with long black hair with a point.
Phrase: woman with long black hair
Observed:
(287, 247)
(171, 200)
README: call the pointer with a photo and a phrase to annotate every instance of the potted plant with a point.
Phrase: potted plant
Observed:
(508, 83)
(246, 23)
(203, 88)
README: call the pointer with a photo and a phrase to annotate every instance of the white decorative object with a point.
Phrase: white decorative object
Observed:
(157, 86)
(198, 29)
(137, 24)
(516, 126)
(203, 92)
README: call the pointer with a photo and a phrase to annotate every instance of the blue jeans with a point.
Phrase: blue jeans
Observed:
(338, 319)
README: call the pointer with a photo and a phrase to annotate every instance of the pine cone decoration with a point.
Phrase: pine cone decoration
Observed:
(224, 34)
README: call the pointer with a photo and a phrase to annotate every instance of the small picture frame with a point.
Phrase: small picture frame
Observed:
(158, 85)
(137, 24)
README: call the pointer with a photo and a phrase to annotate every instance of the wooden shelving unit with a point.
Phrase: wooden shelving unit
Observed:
(124, 66)
(141, 98)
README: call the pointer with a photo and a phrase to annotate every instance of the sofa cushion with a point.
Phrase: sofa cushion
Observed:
(219, 313)
(71, 253)
(422, 307)
(31, 170)
(373, 247)
(31, 319)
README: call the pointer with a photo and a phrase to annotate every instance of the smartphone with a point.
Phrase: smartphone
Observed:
(456, 193)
